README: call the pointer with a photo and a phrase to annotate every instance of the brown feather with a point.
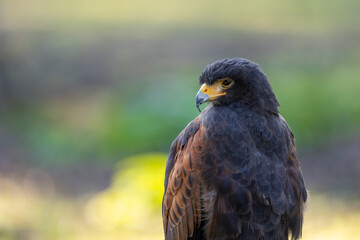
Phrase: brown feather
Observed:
(182, 198)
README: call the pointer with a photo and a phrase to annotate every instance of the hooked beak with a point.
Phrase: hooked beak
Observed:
(200, 99)
(208, 93)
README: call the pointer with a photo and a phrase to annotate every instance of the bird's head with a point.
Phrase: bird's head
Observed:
(236, 80)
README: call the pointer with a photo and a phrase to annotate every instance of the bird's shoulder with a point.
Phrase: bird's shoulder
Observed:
(179, 144)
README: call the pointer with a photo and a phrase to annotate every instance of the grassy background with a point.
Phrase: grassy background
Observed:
(85, 84)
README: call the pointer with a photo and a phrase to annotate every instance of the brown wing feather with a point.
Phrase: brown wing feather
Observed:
(182, 197)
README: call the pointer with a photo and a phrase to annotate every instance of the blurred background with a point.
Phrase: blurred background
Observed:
(92, 93)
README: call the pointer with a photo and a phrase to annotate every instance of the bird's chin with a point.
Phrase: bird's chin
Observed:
(218, 102)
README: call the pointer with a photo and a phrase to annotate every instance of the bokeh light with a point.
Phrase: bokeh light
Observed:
(92, 93)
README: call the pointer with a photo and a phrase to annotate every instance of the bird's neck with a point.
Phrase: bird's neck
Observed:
(240, 106)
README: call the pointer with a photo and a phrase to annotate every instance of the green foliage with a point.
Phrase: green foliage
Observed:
(134, 197)
(149, 118)
(112, 80)
(319, 103)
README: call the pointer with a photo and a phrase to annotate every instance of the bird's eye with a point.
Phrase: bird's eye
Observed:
(226, 83)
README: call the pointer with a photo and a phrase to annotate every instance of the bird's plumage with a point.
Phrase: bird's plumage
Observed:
(233, 173)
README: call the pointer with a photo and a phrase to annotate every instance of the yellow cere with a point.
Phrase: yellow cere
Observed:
(217, 89)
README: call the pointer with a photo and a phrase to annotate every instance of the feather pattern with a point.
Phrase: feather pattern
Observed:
(233, 173)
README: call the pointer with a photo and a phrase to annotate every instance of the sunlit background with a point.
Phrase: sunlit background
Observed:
(92, 93)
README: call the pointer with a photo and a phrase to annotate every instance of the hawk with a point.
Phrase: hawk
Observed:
(233, 172)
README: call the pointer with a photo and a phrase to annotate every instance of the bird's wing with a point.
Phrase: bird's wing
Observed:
(181, 201)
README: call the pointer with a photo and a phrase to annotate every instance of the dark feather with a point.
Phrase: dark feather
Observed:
(233, 172)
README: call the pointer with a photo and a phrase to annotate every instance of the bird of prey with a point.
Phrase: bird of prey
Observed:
(233, 172)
